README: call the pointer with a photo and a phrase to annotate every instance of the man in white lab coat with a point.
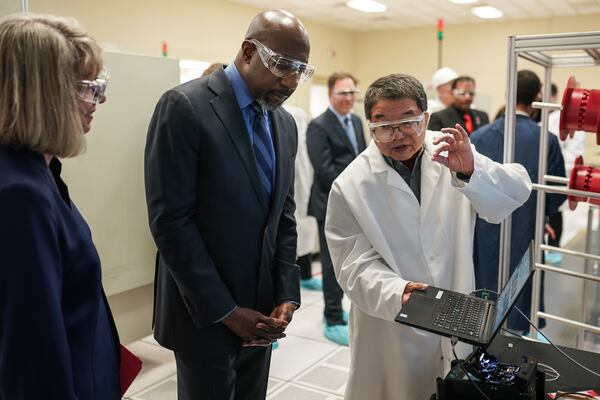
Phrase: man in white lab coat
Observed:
(402, 216)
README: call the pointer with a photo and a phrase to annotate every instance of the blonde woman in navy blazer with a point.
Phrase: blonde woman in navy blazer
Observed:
(57, 336)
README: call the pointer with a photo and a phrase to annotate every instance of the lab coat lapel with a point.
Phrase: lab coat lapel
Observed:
(379, 166)
(430, 176)
(226, 107)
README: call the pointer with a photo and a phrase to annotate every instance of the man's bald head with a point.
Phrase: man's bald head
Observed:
(285, 38)
(271, 26)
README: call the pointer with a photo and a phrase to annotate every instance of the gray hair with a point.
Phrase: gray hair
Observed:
(41, 58)
(395, 87)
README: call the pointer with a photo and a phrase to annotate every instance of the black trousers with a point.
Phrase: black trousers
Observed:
(332, 292)
(238, 376)
(556, 222)
(305, 266)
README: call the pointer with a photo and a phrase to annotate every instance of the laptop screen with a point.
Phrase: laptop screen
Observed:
(513, 287)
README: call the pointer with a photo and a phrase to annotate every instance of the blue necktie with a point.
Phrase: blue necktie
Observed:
(262, 150)
(350, 133)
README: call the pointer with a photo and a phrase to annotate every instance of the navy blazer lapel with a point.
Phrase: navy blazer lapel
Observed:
(358, 132)
(226, 107)
(336, 126)
(280, 141)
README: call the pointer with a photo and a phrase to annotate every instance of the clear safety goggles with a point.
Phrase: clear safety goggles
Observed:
(384, 132)
(463, 93)
(283, 66)
(93, 91)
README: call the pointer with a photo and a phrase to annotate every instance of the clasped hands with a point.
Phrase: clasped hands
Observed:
(256, 329)
(460, 156)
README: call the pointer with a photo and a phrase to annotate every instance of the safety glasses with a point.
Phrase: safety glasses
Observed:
(93, 91)
(384, 132)
(283, 66)
(463, 93)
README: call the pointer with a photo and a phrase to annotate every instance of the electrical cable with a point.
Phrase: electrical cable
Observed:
(548, 369)
(545, 367)
(453, 341)
(556, 347)
(563, 394)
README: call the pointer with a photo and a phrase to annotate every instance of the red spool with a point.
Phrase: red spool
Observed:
(580, 110)
(584, 178)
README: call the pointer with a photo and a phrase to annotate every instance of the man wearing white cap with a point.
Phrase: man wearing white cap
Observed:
(441, 81)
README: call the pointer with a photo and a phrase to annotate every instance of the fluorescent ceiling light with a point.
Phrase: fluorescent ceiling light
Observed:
(368, 6)
(487, 12)
(463, 1)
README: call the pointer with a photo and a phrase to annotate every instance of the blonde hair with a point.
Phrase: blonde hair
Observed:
(41, 57)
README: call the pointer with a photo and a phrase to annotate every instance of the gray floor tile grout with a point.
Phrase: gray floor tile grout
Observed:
(312, 339)
(320, 391)
(317, 388)
(313, 364)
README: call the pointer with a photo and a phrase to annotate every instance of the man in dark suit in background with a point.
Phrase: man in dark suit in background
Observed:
(460, 112)
(333, 139)
(219, 170)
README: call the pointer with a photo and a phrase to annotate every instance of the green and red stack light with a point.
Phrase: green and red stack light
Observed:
(440, 37)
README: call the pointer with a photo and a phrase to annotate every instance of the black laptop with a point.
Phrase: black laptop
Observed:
(471, 319)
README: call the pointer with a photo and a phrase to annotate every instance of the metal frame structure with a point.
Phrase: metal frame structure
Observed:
(534, 48)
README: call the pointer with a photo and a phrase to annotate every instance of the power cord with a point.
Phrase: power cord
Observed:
(547, 368)
(556, 347)
(563, 394)
(550, 373)
(453, 341)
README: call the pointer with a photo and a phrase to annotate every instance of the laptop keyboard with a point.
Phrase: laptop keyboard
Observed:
(460, 314)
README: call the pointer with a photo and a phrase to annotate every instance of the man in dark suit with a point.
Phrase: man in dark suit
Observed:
(333, 139)
(460, 112)
(219, 171)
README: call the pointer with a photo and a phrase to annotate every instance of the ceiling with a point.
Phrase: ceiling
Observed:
(415, 13)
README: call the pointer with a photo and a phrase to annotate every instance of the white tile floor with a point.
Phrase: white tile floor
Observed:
(306, 366)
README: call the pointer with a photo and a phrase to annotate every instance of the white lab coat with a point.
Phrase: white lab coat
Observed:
(380, 239)
(306, 225)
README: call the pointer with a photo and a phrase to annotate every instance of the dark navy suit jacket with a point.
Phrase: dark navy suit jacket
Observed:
(330, 152)
(450, 116)
(220, 245)
(57, 338)
(489, 141)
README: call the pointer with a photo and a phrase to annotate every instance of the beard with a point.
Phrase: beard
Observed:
(268, 106)
(272, 100)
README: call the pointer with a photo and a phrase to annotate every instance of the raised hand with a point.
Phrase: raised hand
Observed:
(460, 156)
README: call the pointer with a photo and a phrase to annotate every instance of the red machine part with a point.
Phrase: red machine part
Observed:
(580, 110)
(584, 178)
